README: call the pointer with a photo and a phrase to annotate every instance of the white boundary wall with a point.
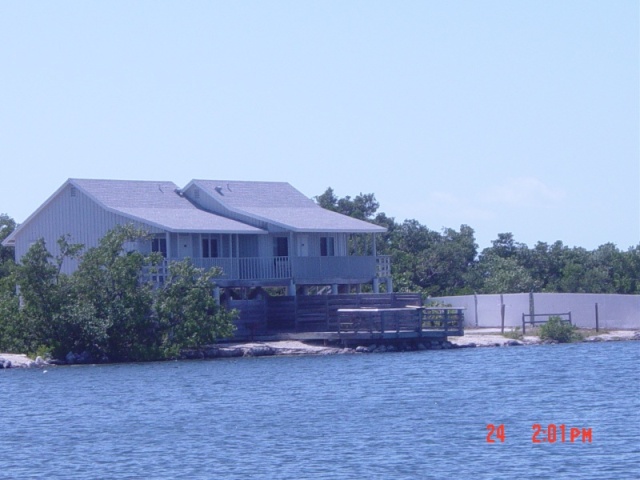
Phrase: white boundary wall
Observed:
(614, 311)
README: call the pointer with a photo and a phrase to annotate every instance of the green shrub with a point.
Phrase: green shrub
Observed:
(561, 332)
(515, 334)
(105, 308)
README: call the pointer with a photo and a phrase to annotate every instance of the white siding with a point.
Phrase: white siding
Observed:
(78, 216)
(265, 246)
(340, 244)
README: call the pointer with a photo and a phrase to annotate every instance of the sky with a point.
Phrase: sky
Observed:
(520, 117)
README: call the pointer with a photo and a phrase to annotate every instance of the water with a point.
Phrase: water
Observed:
(401, 416)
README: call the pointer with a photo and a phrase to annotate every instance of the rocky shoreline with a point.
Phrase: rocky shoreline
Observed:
(491, 337)
(294, 347)
(471, 339)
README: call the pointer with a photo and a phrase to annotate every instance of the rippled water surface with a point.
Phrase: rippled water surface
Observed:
(403, 415)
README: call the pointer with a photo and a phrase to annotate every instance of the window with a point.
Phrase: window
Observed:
(209, 247)
(159, 245)
(327, 247)
(280, 247)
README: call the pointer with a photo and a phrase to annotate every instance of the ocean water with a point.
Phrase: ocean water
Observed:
(407, 415)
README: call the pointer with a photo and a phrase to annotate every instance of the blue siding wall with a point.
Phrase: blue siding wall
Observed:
(78, 216)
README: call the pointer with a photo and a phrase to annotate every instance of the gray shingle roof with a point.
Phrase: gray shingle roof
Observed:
(158, 203)
(281, 204)
(243, 195)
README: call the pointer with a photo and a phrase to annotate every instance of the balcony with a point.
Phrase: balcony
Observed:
(301, 269)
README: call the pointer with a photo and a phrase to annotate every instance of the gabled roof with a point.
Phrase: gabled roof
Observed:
(156, 204)
(161, 204)
(280, 204)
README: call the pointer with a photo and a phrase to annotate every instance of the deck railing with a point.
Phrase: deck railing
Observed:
(333, 267)
(383, 266)
(443, 318)
(280, 268)
(419, 319)
(360, 320)
(248, 268)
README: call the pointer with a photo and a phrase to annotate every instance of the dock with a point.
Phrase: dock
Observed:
(346, 319)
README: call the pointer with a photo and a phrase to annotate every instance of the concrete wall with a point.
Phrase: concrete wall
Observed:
(614, 311)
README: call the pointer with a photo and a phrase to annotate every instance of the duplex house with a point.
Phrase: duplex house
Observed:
(260, 234)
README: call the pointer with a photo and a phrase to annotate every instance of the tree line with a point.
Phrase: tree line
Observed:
(105, 310)
(447, 262)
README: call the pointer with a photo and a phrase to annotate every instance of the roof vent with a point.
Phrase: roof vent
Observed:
(74, 191)
(218, 189)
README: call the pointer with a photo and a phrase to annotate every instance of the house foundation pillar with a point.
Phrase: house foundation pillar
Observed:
(216, 295)
(389, 285)
(376, 285)
(334, 289)
(291, 290)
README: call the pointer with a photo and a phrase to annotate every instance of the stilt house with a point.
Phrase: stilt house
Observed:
(261, 234)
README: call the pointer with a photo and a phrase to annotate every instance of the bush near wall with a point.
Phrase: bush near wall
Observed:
(559, 331)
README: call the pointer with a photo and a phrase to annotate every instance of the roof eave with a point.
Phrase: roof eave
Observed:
(222, 232)
(179, 230)
(12, 236)
(9, 241)
(292, 228)
(336, 230)
(270, 221)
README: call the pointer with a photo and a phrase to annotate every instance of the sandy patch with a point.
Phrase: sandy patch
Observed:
(290, 347)
(489, 337)
(615, 335)
(18, 360)
(492, 338)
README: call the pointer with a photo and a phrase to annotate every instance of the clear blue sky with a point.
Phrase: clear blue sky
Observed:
(519, 117)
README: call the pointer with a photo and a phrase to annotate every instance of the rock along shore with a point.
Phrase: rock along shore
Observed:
(491, 337)
(472, 338)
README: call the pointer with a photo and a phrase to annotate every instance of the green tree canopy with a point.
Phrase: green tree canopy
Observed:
(106, 307)
(447, 262)
(363, 206)
(188, 313)
(7, 226)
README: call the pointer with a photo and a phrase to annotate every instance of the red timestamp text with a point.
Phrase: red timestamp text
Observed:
(560, 433)
(550, 433)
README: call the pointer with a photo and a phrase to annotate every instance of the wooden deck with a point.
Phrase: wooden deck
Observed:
(401, 322)
(344, 318)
